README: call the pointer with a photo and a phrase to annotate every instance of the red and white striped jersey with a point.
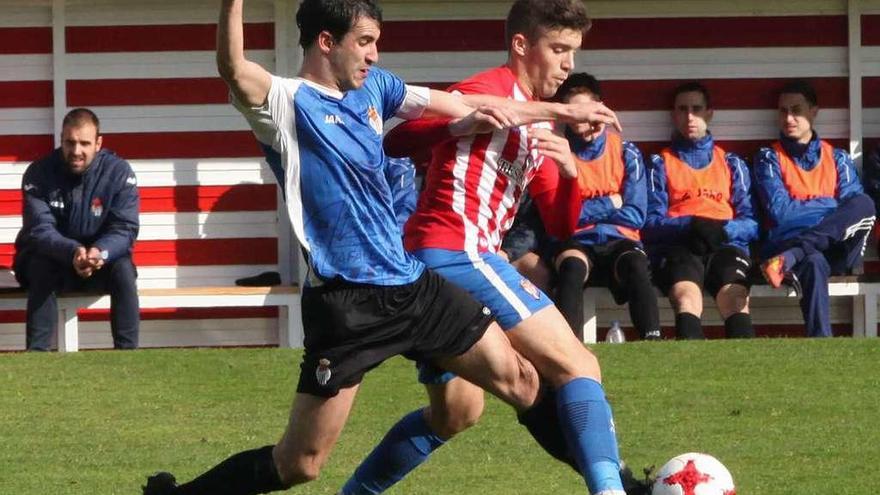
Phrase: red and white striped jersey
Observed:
(474, 183)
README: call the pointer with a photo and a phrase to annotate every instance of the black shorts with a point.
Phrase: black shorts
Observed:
(352, 328)
(603, 263)
(713, 271)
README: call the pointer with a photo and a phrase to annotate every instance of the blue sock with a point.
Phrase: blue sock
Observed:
(406, 445)
(586, 421)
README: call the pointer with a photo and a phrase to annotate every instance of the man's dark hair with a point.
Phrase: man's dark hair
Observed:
(692, 87)
(532, 18)
(334, 16)
(80, 116)
(577, 83)
(803, 88)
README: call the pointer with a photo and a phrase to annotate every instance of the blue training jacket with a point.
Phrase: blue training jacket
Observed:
(788, 216)
(600, 211)
(63, 211)
(661, 229)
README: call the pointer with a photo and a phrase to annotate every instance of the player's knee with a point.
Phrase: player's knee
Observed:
(518, 384)
(572, 268)
(525, 390)
(861, 204)
(456, 416)
(589, 366)
(579, 362)
(686, 297)
(299, 471)
(296, 467)
(732, 298)
(458, 424)
(633, 268)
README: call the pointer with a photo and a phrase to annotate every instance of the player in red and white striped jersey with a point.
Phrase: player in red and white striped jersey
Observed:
(474, 183)
(472, 192)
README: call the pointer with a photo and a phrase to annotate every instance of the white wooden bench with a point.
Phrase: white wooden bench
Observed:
(287, 298)
(863, 290)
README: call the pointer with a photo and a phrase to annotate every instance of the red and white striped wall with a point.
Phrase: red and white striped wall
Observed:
(209, 204)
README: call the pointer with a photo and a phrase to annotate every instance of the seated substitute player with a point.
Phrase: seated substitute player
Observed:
(472, 191)
(606, 247)
(819, 216)
(700, 221)
(365, 298)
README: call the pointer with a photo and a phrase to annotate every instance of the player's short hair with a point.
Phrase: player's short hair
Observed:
(532, 18)
(803, 88)
(334, 16)
(81, 116)
(692, 87)
(578, 83)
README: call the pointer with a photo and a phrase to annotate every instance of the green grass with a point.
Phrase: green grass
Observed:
(786, 416)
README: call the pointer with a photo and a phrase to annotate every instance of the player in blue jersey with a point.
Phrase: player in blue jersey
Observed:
(365, 298)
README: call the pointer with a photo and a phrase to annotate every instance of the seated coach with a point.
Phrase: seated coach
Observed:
(80, 220)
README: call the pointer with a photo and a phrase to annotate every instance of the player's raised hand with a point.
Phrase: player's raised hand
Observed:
(594, 112)
(556, 147)
(483, 120)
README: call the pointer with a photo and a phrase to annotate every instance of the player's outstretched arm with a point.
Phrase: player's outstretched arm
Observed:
(537, 111)
(248, 81)
(514, 112)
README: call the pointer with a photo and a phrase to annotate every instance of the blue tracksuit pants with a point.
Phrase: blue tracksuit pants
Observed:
(832, 247)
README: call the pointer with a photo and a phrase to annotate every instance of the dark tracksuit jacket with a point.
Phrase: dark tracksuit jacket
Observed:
(63, 211)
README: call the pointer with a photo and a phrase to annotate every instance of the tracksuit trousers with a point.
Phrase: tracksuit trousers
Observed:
(832, 247)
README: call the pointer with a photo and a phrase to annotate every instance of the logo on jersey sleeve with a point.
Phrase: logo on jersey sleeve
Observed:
(375, 120)
(97, 207)
(333, 119)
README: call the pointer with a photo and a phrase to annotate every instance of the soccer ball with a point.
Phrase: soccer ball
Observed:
(693, 474)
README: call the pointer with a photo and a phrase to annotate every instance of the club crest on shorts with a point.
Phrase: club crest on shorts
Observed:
(529, 287)
(323, 373)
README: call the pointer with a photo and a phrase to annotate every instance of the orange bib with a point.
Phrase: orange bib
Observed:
(603, 176)
(820, 182)
(703, 193)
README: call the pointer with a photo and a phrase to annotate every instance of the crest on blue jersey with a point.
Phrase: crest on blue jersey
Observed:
(375, 120)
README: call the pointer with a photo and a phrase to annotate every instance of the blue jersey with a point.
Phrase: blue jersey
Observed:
(325, 148)
(401, 175)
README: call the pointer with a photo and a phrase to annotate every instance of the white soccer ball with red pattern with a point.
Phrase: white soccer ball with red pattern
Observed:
(693, 474)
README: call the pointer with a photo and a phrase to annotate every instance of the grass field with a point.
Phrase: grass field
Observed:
(786, 416)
